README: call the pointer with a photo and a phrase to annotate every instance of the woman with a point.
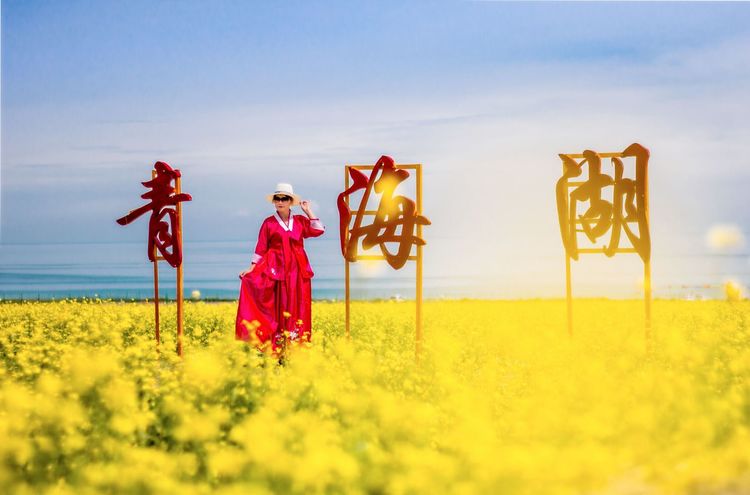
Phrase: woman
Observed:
(275, 291)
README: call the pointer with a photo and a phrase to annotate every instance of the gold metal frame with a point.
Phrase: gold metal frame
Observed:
(417, 257)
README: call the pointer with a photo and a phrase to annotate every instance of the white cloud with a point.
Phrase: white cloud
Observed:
(489, 146)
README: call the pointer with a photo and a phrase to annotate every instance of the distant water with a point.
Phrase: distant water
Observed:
(122, 271)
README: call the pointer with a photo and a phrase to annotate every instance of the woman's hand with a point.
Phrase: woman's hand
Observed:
(248, 271)
(305, 205)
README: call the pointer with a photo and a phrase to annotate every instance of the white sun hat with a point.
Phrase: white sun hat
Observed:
(286, 190)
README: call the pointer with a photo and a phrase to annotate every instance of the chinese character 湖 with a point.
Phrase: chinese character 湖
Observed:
(628, 205)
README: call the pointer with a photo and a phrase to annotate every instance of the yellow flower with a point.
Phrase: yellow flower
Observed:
(495, 401)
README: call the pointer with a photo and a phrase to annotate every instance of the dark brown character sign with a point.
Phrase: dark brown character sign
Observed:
(161, 235)
(394, 213)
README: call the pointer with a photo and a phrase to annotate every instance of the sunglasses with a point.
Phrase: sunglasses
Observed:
(281, 198)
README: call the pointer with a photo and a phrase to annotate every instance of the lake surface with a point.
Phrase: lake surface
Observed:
(452, 270)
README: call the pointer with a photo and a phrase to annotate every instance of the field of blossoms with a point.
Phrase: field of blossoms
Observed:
(502, 401)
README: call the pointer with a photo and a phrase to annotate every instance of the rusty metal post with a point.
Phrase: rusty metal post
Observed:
(418, 336)
(569, 295)
(156, 288)
(647, 269)
(647, 300)
(346, 261)
(156, 298)
(179, 272)
(568, 282)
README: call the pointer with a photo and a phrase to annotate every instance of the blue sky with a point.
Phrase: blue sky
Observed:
(241, 95)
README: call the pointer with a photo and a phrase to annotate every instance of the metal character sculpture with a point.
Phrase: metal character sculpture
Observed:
(161, 235)
(397, 219)
(392, 213)
(626, 212)
(164, 237)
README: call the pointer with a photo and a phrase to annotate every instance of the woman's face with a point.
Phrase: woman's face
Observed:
(282, 203)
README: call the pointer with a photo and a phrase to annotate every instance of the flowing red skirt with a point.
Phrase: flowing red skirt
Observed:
(268, 307)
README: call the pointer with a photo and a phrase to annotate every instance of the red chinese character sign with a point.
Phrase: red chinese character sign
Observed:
(396, 220)
(598, 204)
(164, 237)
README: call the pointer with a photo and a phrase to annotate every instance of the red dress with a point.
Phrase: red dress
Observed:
(279, 285)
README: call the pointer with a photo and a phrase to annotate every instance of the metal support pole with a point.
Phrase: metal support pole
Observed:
(569, 295)
(346, 270)
(179, 272)
(156, 298)
(346, 261)
(156, 288)
(568, 283)
(418, 336)
(647, 265)
(647, 298)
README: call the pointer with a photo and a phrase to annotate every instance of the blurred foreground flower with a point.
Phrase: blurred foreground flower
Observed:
(733, 290)
(87, 405)
(195, 295)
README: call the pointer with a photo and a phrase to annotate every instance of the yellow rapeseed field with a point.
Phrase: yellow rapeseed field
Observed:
(503, 402)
